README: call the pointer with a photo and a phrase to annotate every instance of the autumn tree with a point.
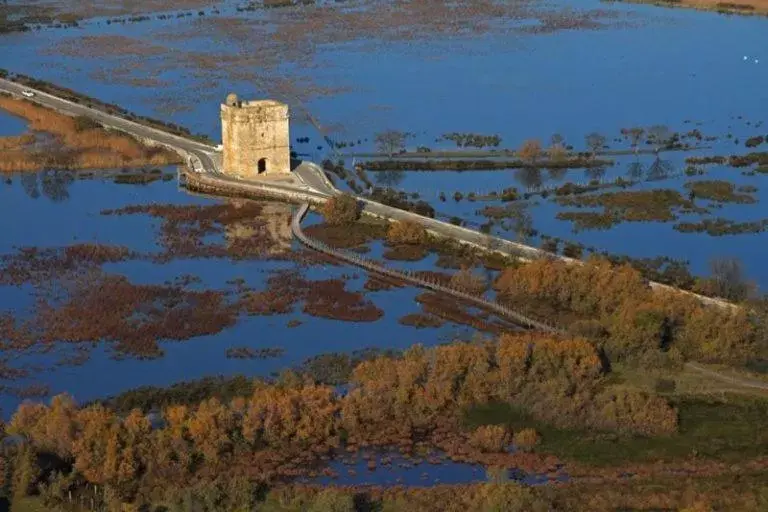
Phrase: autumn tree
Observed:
(490, 438)
(341, 209)
(558, 154)
(391, 141)
(526, 439)
(406, 232)
(467, 281)
(25, 471)
(530, 151)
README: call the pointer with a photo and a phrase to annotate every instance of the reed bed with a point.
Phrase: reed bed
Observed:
(77, 143)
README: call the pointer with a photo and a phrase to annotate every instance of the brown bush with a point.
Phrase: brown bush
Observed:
(527, 439)
(340, 210)
(407, 233)
(557, 153)
(490, 438)
(530, 151)
(467, 281)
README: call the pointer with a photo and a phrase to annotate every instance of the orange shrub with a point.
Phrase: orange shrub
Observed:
(406, 232)
(490, 438)
(526, 440)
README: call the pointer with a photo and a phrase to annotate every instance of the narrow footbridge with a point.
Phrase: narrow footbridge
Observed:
(413, 278)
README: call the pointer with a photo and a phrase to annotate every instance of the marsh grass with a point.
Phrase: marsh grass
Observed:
(718, 190)
(660, 205)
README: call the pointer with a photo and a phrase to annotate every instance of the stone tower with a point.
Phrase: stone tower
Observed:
(255, 137)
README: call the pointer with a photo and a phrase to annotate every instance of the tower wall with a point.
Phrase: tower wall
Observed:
(255, 131)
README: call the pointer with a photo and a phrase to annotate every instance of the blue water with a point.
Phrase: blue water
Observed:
(75, 217)
(391, 468)
(11, 125)
(647, 66)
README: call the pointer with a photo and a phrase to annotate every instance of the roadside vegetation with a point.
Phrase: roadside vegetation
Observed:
(615, 307)
(75, 143)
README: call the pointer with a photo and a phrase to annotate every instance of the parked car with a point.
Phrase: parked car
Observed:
(27, 93)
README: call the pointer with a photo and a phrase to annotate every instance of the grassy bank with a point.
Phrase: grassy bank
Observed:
(728, 430)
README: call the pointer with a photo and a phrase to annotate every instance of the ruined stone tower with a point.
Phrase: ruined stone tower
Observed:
(255, 137)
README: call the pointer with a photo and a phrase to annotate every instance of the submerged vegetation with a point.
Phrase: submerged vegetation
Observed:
(659, 205)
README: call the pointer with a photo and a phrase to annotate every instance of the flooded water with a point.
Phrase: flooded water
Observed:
(392, 468)
(10, 125)
(633, 66)
(71, 213)
(521, 76)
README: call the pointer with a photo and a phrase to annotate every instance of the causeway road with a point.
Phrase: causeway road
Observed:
(311, 180)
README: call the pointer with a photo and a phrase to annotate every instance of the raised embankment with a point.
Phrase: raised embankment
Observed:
(205, 177)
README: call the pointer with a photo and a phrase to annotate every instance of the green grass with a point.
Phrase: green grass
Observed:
(728, 431)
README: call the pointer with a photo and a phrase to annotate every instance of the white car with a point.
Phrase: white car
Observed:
(28, 94)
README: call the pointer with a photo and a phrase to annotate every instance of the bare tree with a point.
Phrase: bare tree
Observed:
(659, 135)
(391, 141)
(635, 135)
(635, 171)
(595, 142)
(557, 140)
(728, 279)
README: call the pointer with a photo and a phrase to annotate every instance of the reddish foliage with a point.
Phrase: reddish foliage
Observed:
(136, 317)
(326, 299)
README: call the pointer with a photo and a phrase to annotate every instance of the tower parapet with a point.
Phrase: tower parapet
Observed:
(255, 136)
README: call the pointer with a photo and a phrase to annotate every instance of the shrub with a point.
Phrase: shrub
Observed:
(406, 232)
(530, 151)
(333, 500)
(83, 123)
(637, 412)
(466, 281)
(342, 209)
(665, 386)
(557, 153)
(490, 438)
(526, 439)
(509, 497)
(572, 250)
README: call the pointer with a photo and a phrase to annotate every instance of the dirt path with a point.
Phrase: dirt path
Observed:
(743, 382)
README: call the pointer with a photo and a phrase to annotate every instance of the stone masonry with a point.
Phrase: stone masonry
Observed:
(255, 136)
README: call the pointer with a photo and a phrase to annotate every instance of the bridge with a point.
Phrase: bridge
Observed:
(308, 186)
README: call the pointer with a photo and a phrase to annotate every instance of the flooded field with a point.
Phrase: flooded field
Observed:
(63, 210)
(524, 71)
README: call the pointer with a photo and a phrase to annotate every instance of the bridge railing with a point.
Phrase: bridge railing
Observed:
(421, 281)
